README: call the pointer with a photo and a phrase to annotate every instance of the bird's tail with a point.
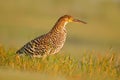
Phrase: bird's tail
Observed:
(19, 53)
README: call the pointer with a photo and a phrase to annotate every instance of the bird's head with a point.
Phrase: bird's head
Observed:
(62, 21)
(68, 18)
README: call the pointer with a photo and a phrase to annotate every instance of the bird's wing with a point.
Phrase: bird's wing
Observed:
(37, 46)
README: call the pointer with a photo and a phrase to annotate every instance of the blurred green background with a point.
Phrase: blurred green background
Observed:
(23, 20)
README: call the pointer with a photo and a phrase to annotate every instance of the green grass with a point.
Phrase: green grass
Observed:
(89, 66)
(23, 20)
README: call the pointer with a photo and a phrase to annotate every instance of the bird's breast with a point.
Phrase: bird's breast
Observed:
(57, 42)
(58, 38)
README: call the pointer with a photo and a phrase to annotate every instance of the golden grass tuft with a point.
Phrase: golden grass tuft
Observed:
(90, 66)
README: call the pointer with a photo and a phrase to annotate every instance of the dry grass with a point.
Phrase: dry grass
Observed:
(90, 66)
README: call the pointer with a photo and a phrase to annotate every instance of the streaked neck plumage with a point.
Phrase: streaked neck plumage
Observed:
(59, 26)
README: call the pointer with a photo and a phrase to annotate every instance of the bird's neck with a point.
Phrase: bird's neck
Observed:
(59, 26)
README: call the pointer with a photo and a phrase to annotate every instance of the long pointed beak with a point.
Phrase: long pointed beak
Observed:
(77, 20)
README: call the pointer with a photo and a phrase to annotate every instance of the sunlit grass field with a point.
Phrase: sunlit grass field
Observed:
(91, 51)
(89, 66)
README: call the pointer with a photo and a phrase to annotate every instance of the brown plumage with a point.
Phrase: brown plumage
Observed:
(49, 43)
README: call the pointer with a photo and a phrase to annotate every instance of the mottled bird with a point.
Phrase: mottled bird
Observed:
(50, 43)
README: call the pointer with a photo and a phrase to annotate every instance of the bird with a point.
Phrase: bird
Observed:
(51, 42)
